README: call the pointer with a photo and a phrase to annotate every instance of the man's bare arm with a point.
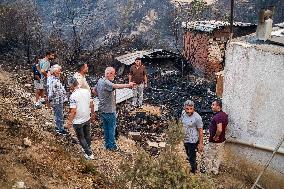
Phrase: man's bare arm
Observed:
(43, 73)
(121, 86)
(200, 145)
(218, 132)
(71, 117)
(130, 78)
(145, 80)
(93, 113)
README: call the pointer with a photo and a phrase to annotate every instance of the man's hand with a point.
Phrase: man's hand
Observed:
(93, 118)
(215, 138)
(132, 84)
(48, 104)
(200, 147)
(69, 125)
(37, 77)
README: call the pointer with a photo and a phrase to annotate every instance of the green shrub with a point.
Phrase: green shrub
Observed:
(167, 171)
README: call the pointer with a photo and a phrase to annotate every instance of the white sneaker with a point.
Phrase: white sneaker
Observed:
(38, 104)
(92, 157)
(89, 157)
(42, 100)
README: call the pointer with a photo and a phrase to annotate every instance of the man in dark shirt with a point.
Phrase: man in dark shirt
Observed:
(138, 75)
(214, 151)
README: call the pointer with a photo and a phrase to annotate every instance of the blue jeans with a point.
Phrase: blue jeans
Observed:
(109, 125)
(58, 114)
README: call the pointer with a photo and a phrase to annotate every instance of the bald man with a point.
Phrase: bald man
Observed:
(105, 90)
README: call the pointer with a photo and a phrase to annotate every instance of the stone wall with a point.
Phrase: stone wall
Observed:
(205, 51)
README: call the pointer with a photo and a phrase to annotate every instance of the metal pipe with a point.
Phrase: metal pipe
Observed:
(258, 146)
(269, 161)
(232, 17)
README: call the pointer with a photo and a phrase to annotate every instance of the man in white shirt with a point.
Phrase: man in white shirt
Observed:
(81, 107)
(80, 75)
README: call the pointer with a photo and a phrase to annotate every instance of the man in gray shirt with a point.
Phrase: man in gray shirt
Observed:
(105, 91)
(193, 130)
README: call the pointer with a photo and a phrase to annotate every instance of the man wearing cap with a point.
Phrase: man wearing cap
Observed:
(193, 130)
(80, 75)
(138, 75)
(56, 97)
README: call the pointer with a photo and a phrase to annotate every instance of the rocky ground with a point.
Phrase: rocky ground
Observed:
(31, 152)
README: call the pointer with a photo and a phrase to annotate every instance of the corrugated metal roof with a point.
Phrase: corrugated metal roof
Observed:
(278, 33)
(210, 25)
(277, 36)
(280, 25)
(121, 95)
(129, 59)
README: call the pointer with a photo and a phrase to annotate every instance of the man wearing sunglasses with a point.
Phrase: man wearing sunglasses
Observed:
(193, 130)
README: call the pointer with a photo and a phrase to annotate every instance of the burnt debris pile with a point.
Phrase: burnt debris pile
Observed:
(169, 87)
(173, 90)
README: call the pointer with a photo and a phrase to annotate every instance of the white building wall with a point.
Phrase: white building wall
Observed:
(254, 98)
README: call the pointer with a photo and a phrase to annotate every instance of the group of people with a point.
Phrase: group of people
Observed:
(47, 83)
(194, 142)
(50, 90)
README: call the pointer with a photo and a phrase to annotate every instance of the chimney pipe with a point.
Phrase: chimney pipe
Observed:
(264, 27)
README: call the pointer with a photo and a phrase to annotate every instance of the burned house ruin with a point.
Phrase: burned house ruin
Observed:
(170, 85)
(204, 44)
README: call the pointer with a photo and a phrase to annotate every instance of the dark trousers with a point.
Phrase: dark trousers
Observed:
(84, 136)
(190, 149)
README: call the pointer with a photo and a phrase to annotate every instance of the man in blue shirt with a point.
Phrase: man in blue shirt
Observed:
(44, 66)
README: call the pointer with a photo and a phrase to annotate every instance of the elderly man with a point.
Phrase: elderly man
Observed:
(105, 89)
(138, 75)
(56, 97)
(214, 151)
(80, 75)
(81, 107)
(193, 128)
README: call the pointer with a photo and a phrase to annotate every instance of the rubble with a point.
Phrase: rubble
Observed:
(27, 142)
(19, 185)
(167, 90)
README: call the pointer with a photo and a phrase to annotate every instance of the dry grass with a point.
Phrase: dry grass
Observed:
(243, 171)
